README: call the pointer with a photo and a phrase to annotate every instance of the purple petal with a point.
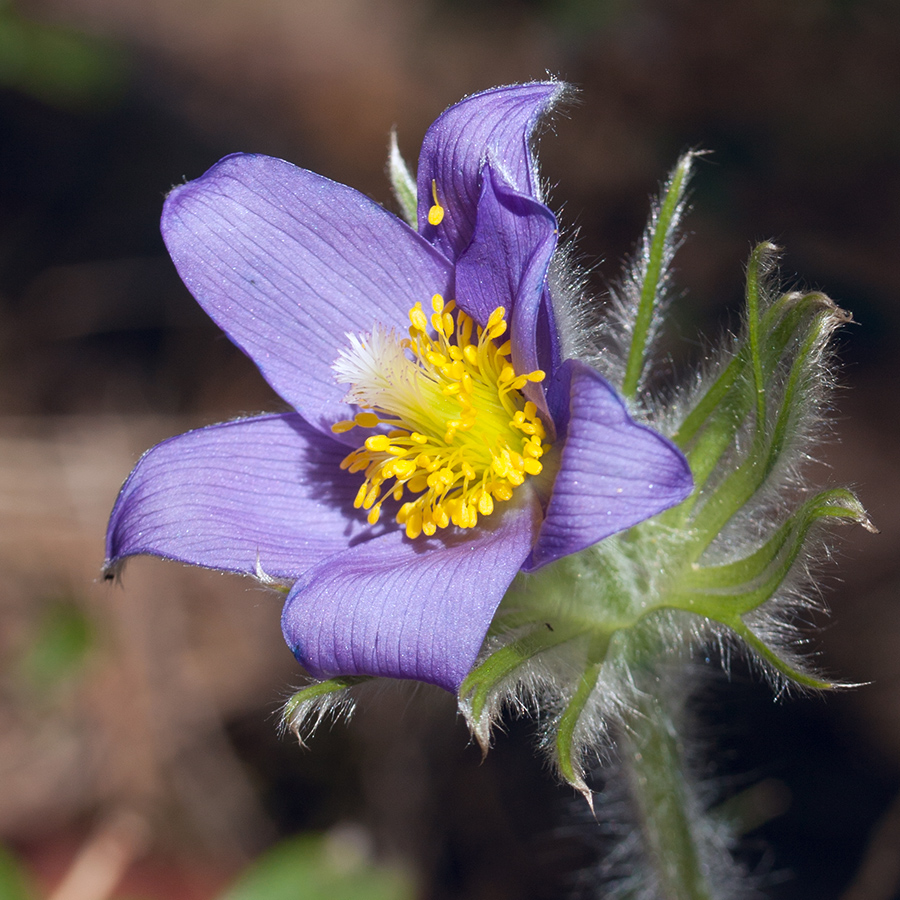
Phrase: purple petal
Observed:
(549, 350)
(506, 262)
(613, 472)
(287, 262)
(496, 124)
(254, 494)
(506, 265)
(408, 609)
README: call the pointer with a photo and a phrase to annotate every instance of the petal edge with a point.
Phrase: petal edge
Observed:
(407, 609)
(261, 494)
(287, 262)
(614, 472)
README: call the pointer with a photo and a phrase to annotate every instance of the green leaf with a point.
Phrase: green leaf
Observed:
(314, 701)
(796, 326)
(403, 183)
(738, 587)
(756, 271)
(568, 752)
(320, 867)
(734, 576)
(709, 428)
(659, 248)
(479, 683)
(770, 656)
(804, 368)
(321, 689)
(743, 481)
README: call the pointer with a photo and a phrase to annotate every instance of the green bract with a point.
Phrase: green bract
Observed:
(577, 640)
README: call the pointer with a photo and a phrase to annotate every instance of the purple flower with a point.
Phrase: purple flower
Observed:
(439, 444)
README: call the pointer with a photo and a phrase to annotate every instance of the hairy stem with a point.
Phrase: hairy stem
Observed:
(663, 799)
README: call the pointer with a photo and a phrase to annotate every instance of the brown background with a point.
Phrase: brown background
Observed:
(165, 734)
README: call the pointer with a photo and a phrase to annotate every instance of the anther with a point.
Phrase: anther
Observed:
(477, 438)
(417, 317)
(436, 213)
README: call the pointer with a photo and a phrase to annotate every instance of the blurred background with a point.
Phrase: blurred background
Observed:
(139, 753)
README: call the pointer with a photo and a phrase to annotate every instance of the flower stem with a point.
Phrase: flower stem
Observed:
(663, 799)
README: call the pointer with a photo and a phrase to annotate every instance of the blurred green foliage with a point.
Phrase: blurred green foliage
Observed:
(56, 65)
(59, 647)
(13, 882)
(320, 867)
(333, 866)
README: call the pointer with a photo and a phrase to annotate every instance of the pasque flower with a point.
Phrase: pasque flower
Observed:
(440, 440)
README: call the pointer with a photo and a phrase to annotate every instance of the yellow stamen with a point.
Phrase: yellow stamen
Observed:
(460, 436)
(436, 213)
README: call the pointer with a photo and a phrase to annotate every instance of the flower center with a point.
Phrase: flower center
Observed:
(460, 434)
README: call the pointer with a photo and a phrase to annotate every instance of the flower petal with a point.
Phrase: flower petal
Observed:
(507, 258)
(506, 265)
(287, 263)
(613, 472)
(262, 494)
(408, 609)
(496, 124)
